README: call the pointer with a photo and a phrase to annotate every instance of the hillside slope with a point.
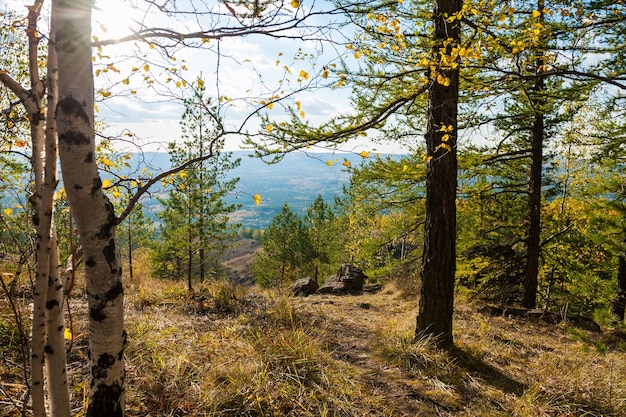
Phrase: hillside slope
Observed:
(238, 351)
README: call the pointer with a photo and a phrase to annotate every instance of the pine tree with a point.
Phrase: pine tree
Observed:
(286, 248)
(195, 223)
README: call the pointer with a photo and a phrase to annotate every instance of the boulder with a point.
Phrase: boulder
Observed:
(303, 287)
(348, 279)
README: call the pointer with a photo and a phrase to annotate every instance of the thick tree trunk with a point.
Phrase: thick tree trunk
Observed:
(95, 217)
(439, 258)
(533, 240)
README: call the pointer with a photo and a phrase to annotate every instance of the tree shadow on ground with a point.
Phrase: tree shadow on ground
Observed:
(491, 375)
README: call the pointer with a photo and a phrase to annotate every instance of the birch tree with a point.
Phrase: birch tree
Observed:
(47, 339)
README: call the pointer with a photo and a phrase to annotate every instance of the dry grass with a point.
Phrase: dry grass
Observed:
(235, 351)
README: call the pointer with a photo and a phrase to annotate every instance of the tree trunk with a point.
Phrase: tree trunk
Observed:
(439, 258)
(94, 214)
(130, 249)
(56, 356)
(619, 305)
(533, 240)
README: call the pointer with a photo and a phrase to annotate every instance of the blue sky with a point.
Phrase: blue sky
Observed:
(247, 67)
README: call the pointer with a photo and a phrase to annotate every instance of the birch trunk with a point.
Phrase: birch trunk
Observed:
(55, 355)
(94, 214)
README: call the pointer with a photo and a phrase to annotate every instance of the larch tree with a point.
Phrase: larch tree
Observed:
(439, 256)
(404, 59)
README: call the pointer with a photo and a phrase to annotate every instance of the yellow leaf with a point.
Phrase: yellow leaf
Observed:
(107, 162)
(146, 67)
(325, 73)
(8, 212)
(302, 113)
(104, 93)
(125, 81)
(364, 154)
(269, 128)
(200, 84)
(257, 199)
(536, 13)
(298, 104)
(304, 74)
(106, 183)
(405, 168)
(329, 163)
(270, 105)
(67, 334)
(445, 81)
(346, 163)
(295, 3)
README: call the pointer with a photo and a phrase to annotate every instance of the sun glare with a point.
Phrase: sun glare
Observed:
(114, 18)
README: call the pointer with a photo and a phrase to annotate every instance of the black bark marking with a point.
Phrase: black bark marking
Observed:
(69, 105)
(114, 292)
(74, 138)
(105, 229)
(91, 262)
(89, 157)
(106, 401)
(97, 314)
(52, 304)
(110, 255)
(60, 328)
(48, 349)
(106, 361)
(100, 368)
(97, 185)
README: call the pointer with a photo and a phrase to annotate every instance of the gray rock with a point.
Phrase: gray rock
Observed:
(348, 279)
(303, 287)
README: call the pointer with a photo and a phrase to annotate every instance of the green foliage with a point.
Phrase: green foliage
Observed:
(194, 220)
(286, 249)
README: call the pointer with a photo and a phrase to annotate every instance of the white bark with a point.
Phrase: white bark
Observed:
(94, 214)
(55, 355)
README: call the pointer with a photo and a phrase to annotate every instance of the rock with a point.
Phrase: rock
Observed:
(303, 287)
(348, 279)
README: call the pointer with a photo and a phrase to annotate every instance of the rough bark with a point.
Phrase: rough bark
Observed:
(438, 268)
(94, 214)
(533, 240)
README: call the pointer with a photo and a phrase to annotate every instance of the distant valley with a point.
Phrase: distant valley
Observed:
(296, 180)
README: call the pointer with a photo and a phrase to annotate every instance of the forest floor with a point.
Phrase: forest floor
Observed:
(232, 350)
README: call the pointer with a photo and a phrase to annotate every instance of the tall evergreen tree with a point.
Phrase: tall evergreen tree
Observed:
(195, 222)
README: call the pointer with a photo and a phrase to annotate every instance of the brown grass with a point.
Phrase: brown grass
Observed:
(237, 351)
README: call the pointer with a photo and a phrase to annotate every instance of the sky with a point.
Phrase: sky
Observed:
(248, 67)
